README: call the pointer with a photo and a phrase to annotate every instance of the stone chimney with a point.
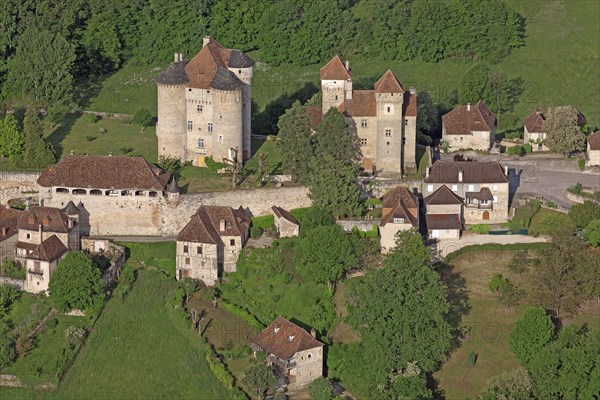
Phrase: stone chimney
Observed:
(347, 65)
(427, 172)
(468, 106)
(313, 333)
(110, 153)
(205, 40)
(72, 152)
(176, 57)
(506, 170)
(460, 176)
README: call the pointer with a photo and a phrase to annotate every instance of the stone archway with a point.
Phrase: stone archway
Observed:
(486, 215)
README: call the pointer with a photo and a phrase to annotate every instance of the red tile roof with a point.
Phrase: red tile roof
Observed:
(594, 141)
(534, 122)
(281, 213)
(51, 249)
(52, 220)
(335, 70)
(9, 218)
(362, 104)
(473, 172)
(283, 339)
(105, 172)
(205, 225)
(400, 203)
(388, 83)
(315, 113)
(443, 221)
(443, 195)
(461, 121)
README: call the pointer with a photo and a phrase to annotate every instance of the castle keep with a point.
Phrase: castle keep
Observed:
(204, 105)
(384, 119)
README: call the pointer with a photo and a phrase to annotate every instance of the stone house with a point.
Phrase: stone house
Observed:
(444, 214)
(533, 131)
(8, 231)
(107, 188)
(593, 149)
(400, 211)
(297, 354)
(286, 224)
(211, 242)
(41, 263)
(384, 119)
(204, 105)
(483, 187)
(469, 127)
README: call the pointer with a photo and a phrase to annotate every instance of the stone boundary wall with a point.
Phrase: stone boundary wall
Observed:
(361, 224)
(379, 187)
(17, 184)
(576, 198)
(20, 284)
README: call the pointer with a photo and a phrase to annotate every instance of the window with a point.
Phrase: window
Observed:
(220, 138)
(398, 220)
(495, 188)
(190, 125)
(36, 266)
(495, 199)
(210, 127)
(471, 188)
(309, 356)
(199, 249)
(430, 188)
(405, 122)
(199, 108)
(232, 242)
(387, 143)
(185, 248)
(187, 261)
(389, 109)
(201, 143)
(460, 138)
(28, 236)
(388, 132)
(363, 123)
(363, 142)
(484, 202)
(454, 188)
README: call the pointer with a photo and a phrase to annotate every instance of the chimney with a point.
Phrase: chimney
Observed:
(347, 65)
(72, 152)
(413, 90)
(427, 172)
(222, 225)
(468, 106)
(110, 153)
(460, 176)
(176, 58)
(506, 170)
(205, 40)
(313, 333)
(41, 233)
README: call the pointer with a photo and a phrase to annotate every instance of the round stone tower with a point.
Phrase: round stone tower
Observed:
(171, 125)
(242, 66)
(228, 123)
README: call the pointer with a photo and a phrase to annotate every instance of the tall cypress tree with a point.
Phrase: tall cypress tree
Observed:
(37, 153)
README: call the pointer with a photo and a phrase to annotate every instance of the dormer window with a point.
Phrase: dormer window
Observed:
(276, 329)
(291, 337)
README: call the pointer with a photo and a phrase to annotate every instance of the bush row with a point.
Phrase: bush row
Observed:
(243, 314)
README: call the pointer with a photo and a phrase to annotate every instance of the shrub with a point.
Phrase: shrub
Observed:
(23, 344)
(91, 138)
(213, 165)
(482, 229)
(592, 232)
(34, 369)
(581, 164)
(7, 352)
(52, 323)
(515, 150)
(577, 188)
(101, 131)
(320, 389)
(63, 362)
(551, 223)
(550, 204)
(90, 118)
(472, 358)
(243, 314)
(264, 221)
(8, 295)
(255, 232)
(373, 232)
(75, 336)
(582, 214)
(142, 117)
(220, 371)
(126, 149)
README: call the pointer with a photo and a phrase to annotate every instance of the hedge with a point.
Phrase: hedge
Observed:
(299, 213)
(263, 222)
(371, 233)
(476, 248)
(482, 229)
(243, 314)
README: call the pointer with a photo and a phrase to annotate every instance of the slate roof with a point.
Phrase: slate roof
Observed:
(204, 226)
(473, 172)
(443, 221)
(443, 195)
(174, 74)
(362, 104)
(281, 213)
(51, 249)
(534, 122)
(283, 339)
(172, 187)
(594, 141)
(461, 121)
(388, 83)
(239, 59)
(334, 70)
(9, 218)
(105, 172)
(71, 208)
(52, 220)
(400, 203)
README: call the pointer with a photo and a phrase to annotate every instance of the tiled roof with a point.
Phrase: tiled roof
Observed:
(204, 226)
(400, 203)
(410, 104)
(50, 249)
(461, 121)
(594, 141)
(9, 218)
(315, 113)
(283, 339)
(362, 104)
(52, 220)
(105, 172)
(281, 213)
(483, 194)
(473, 172)
(335, 70)
(209, 68)
(443, 195)
(443, 221)
(388, 83)
(174, 74)
(534, 122)
(71, 208)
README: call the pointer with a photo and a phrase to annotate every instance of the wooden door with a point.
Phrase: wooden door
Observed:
(486, 215)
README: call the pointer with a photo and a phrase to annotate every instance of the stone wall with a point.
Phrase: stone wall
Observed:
(379, 187)
(15, 282)
(360, 224)
(17, 185)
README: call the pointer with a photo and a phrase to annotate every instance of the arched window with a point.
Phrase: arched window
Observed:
(62, 190)
(96, 192)
(79, 191)
(152, 194)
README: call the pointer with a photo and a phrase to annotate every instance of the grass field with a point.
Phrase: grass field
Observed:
(490, 325)
(137, 351)
(159, 254)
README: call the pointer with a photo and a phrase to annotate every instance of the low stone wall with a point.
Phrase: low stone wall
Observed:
(20, 284)
(361, 224)
(576, 198)
(379, 187)
(15, 185)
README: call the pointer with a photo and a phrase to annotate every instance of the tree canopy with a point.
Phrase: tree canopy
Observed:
(76, 283)
(531, 334)
(563, 133)
(294, 140)
(37, 153)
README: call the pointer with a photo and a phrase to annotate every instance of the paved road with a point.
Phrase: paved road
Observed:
(446, 247)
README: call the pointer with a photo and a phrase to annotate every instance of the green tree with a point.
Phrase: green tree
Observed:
(76, 283)
(428, 119)
(244, 15)
(258, 378)
(37, 153)
(327, 253)
(474, 83)
(143, 118)
(584, 213)
(410, 243)
(592, 232)
(563, 133)
(294, 141)
(320, 389)
(531, 334)
(11, 138)
(56, 113)
(189, 286)
(333, 139)
(513, 385)
(312, 218)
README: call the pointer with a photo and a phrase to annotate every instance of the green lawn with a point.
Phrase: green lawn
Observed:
(139, 349)
(158, 254)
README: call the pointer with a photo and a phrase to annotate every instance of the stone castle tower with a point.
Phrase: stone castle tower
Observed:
(384, 119)
(204, 105)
